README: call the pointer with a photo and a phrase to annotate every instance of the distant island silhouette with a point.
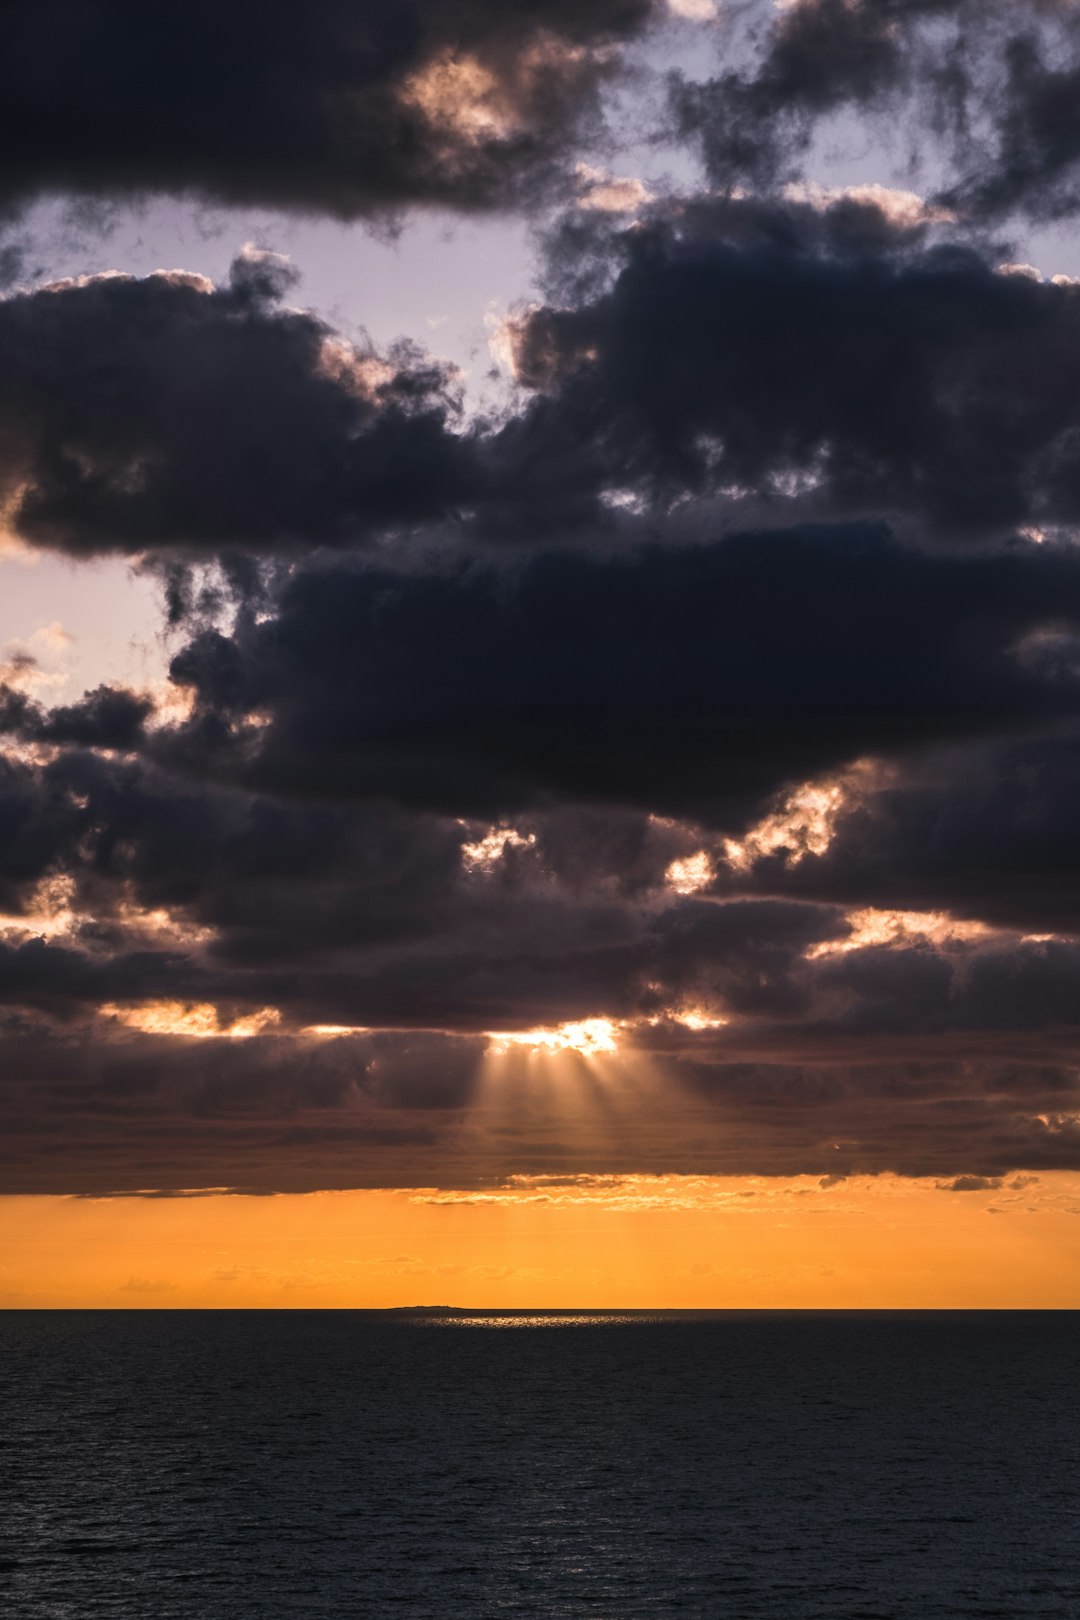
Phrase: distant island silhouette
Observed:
(428, 1310)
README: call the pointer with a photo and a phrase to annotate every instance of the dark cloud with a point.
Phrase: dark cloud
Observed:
(321, 106)
(39, 831)
(786, 360)
(795, 985)
(688, 681)
(743, 350)
(109, 717)
(249, 918)
(984, 832)
(831, 359)
(166, 413)
(212, 904)
(143, 1111)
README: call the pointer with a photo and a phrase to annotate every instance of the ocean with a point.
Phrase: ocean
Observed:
(262, 1465)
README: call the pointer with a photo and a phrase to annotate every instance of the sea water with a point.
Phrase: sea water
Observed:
(360, 1463)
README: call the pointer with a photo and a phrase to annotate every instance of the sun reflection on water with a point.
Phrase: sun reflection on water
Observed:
(536, 1319)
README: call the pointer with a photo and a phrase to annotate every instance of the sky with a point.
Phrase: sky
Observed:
(540, 653)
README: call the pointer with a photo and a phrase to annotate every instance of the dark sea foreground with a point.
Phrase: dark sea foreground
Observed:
(243, 1465)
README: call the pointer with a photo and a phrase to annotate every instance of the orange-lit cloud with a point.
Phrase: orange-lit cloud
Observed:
(458, 94)
(468, 102)
(483, 854)
(803, 825)
(870, 928)
(196, 1020)
(904, 210)
(690, 874)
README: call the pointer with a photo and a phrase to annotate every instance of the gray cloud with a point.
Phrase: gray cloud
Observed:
(986, 90)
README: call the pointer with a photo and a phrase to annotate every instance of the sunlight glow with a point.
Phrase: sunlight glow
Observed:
(342, 362)
(199, 1020)
(616, 1194)
(693, 10)
(53, 912)
(803, 825)
(483, 854)
(474, 104)
(696, 1019)
(870, 928)
(458, 94)
(589, 1036)
(691, 874)
(328, 1032)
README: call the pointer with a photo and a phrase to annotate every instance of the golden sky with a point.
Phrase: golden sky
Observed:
(579, 1241)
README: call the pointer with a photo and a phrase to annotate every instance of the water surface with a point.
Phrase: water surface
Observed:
(245, 1465)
